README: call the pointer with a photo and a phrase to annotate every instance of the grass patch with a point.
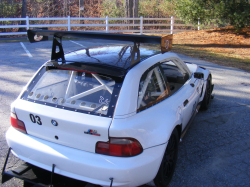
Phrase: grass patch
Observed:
(224, 59)
(225, 46)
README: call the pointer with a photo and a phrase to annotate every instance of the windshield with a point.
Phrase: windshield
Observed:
(70, 89)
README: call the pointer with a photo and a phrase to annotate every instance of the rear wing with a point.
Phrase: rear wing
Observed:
(37, 35)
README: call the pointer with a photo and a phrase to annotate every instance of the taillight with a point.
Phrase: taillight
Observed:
(17, 124)
(122, 147)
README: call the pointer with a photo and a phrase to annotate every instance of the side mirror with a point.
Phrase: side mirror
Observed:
(198, 75)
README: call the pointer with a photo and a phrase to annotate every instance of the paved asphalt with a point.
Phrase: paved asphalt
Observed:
(216, 149)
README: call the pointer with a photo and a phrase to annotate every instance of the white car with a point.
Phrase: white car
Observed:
(108, 115)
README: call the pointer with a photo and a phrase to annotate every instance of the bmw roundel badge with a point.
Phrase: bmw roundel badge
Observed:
(54, 122)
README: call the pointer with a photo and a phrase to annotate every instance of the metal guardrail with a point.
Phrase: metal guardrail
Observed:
(137, 22)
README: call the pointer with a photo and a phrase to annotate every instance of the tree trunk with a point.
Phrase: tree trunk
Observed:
(135, 8)
(131, 10)
(23, 15)
(135, 12)
(1, 8)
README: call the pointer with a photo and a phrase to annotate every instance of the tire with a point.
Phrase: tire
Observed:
(207, 97)
(27, 184)
(168, 163)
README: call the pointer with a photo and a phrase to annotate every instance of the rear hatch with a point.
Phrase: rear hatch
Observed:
(69, 107)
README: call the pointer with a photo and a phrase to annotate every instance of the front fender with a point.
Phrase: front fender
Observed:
(206, 73)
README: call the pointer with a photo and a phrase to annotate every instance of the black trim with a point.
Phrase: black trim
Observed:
(94, 35)
(202, 90)
(114, 98)
(91, 67)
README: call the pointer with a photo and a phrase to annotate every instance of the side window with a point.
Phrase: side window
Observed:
(175, 76)
(152, 89)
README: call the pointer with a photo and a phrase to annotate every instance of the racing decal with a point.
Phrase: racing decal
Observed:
(103, 101)
(35, 119)
(166, 44)
(92, 132)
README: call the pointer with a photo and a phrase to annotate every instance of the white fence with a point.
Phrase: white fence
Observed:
(130, 25)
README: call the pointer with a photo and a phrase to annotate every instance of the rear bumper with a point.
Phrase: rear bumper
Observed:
(90, 167)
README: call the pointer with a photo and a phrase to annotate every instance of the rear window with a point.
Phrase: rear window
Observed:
(73, 90)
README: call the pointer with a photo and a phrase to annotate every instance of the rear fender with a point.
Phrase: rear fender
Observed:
(149, 131)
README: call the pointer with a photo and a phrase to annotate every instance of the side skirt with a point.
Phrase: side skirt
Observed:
(190, 121)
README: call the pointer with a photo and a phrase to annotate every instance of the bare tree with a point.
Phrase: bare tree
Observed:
(131, 9)
(135, 11)
(24, 8)
(23, 15)
(135, 8)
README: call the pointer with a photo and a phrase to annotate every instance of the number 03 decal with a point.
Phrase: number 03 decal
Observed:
(35, 119)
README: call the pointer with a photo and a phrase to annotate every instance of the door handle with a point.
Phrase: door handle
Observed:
(185, 102)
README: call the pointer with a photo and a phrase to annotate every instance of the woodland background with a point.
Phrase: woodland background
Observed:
(86, 8)
(209, 12)
(227, 41)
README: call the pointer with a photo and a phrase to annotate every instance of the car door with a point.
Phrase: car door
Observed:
(190, 100)
(181, 81)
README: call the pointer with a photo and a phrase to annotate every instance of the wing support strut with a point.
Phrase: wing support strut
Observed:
(57, 46)
(135, 56)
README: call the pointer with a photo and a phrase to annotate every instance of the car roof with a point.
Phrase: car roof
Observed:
(111, 60)
(111, 55)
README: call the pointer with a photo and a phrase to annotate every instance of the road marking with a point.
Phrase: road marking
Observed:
(78, 43)
(26, 50)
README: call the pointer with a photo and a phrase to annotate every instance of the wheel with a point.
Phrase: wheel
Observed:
(207, 97)
(168, 163)
(27, 184)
